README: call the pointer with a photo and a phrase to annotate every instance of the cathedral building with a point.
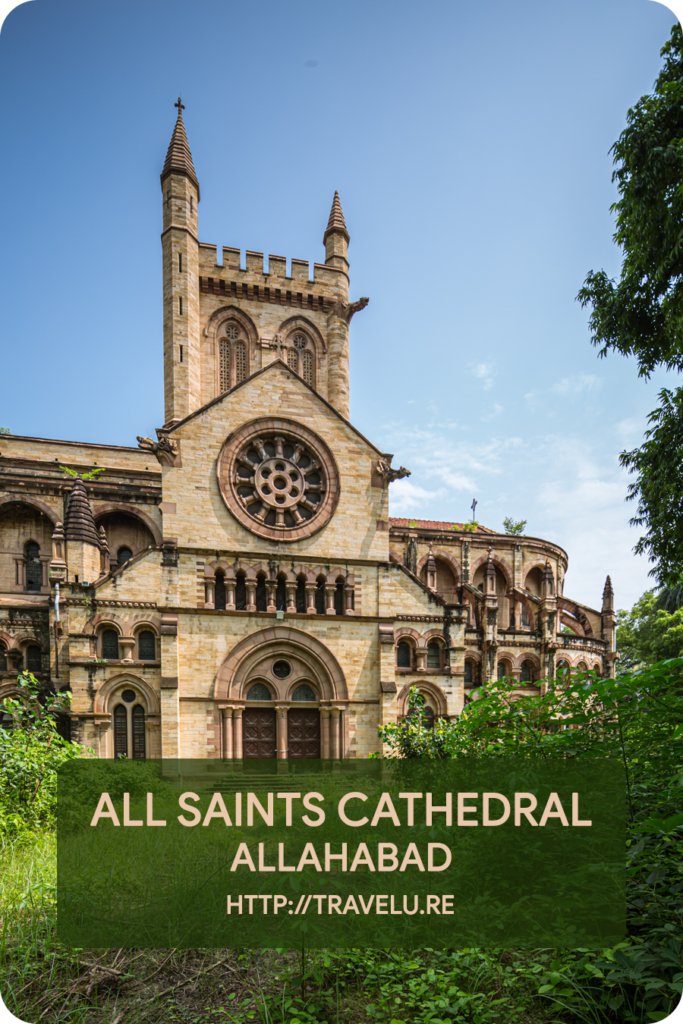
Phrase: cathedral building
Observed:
(236, 587)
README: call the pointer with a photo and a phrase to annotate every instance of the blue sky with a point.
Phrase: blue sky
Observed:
(470, 146)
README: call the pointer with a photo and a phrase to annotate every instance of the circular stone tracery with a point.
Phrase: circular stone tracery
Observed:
(278, 479)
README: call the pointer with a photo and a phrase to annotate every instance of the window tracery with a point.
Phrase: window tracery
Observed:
(279, 483)
(240, 362)
(224, 365)
(233, 359)
(304, 692)
(293, 359)
(259, 692)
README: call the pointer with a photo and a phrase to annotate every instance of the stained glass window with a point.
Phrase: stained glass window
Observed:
(259, 692)
(433, 654)
(147, 645)
(240, 362)
(224, 365)
(307, 359)
(403, 654)
(304, 692)
(138, 732)
(110, 644)
(120, 731)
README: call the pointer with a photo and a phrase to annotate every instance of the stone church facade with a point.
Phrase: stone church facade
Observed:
(236, 586)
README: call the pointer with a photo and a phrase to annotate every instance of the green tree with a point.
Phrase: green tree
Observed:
(642, 314)
(658, 488)
(31, 751)
(647, 634)
(515, 527)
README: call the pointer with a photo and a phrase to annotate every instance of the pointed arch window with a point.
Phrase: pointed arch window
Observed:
(240, 362)
(34, 567)
(224, 365)
(293, 359)
(138, 717)
(120, 731)
(308, 372)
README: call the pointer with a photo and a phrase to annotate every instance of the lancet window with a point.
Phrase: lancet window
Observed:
(34, 567)
(301, 357)
(233, 360)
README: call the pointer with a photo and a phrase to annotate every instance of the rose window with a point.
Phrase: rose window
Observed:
(232, 332)
(280, 483)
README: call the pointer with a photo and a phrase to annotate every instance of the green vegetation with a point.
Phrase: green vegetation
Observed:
(634, 718)
(92, 474)
(514, 527)
(648, 633)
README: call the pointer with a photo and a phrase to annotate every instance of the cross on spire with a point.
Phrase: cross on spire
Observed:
(473, 506)
(180, 105)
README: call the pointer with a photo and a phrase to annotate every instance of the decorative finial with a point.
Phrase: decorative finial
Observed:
(180, 105)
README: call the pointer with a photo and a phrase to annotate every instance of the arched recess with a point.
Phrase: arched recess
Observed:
(113, 506)
(252, 659)
(300, 323)
(214, 328)
(426, 687)
(128, 532)
(448, 573)
(31, 502)
(111, 687)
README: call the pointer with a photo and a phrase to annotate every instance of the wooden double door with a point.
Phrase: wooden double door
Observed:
(303, 727)
(259, 733)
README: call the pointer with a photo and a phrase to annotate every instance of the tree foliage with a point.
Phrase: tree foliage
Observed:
(648, 634)
(642, 313)
(514, 527)
(31, 751)
(658, 488)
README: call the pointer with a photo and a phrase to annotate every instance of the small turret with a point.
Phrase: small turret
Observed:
(608, 597)
(336, 238)
(82, 540)
(490, 575)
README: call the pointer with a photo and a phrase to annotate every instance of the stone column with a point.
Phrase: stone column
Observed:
(335, 728)
(237, 733)
(330, 589)
(251, 595)
(209, 591)
(349, 595)
(230, 593)
(271, 587)
(291, 598)
(421, 658)
(325, 730)
(282, 748)
(227, 733)
(127, 645)
(310, 598)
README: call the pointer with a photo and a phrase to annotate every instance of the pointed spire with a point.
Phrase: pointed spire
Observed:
(336, 221)
(608, 596)
(104, 543)
(179, 158)
(79, 523)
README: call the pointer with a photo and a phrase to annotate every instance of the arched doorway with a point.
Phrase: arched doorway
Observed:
(280, 692)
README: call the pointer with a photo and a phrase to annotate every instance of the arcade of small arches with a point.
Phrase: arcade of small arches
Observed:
(20, 654)
(253, 588)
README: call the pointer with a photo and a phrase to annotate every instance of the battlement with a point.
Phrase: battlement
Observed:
(254, 272)
(265, 293)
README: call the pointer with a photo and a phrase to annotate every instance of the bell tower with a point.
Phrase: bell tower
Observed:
(180, 248)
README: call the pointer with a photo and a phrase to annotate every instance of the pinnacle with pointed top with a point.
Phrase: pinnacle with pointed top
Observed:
(178, 157)
(104, 543)
(79, 523)
(336, 221)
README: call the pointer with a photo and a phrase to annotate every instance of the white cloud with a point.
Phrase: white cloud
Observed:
(576, 384)
(484, 372)
(496, 411)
